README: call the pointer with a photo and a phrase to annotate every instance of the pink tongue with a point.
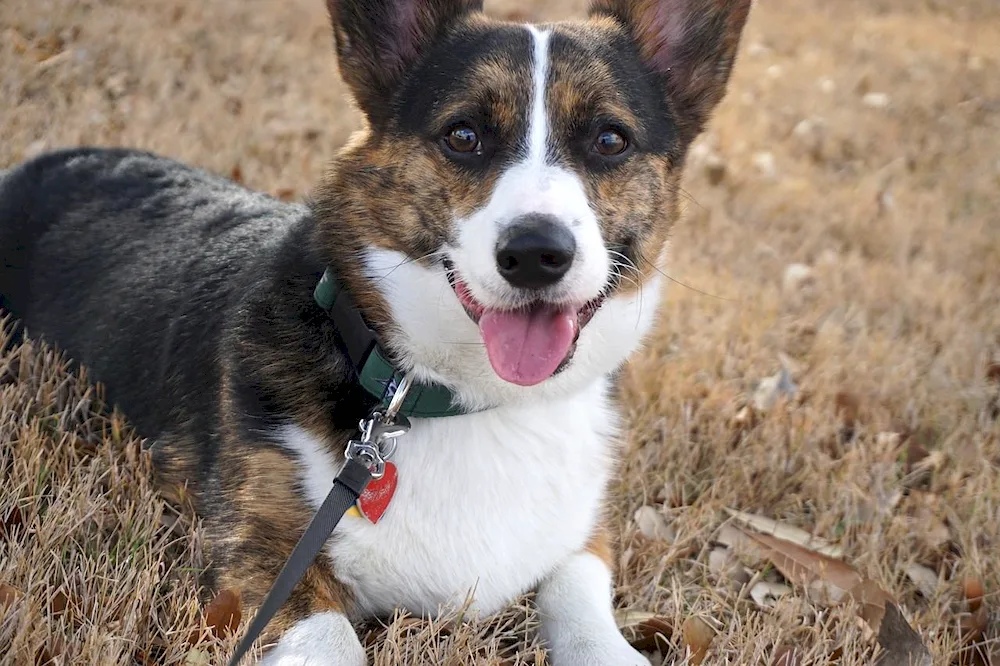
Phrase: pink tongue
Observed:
(526, 347)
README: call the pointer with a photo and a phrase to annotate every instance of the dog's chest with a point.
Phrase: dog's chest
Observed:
(486, 504)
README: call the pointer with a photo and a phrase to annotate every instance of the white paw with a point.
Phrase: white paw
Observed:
(324, 639)
(609, 649)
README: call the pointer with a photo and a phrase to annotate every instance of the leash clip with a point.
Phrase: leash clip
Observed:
(379, 433)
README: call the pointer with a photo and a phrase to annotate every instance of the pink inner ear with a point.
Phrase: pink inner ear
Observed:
(667, 25)
(400, 43)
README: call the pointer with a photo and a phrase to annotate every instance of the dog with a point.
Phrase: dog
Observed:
(499, 231)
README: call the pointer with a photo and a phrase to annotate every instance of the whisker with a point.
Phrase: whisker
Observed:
(686, 286)
(404, 262)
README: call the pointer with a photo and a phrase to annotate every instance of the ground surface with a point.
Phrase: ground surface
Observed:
(859, 139)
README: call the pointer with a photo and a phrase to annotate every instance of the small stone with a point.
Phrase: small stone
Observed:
(744, 417)
(796, 278)
(827, 85)
(34, 149)
(828, 258)
(887, 440)
(974, 63)
(715, 168)
(115, 85)
(766, 594)
(699, 152)
(197, 658)
(875, 100)
(886, 201)
(719, 560)
(757, 49)
(775, 71)
(924, 578)
(653, 525)
(809, 133)
(726, 569)
(764, 163)
(804, 128)
(772, 388)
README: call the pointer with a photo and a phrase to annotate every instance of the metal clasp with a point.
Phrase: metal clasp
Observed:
(379, 432)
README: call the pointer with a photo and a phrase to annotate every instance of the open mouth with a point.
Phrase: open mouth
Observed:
(528, 345)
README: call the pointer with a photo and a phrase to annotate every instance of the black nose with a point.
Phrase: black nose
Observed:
(535, 251)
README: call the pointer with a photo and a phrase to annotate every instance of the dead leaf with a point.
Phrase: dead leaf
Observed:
(871, 600)
(848, 407)
(827, 580)
(653, 525)
(652, 632)
(697, 636)
(901, 644)
(50, 653)
(222, 615)
(993, 372)
(11, 522)
(285, 194)
(8, 596)
(972, 590)
(236, 174)
(629, 618)
(804, 566)
(786, 532)
(58, 603)
(974, 624)
(975, 650)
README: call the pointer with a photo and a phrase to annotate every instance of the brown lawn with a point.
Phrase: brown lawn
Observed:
(842, 226)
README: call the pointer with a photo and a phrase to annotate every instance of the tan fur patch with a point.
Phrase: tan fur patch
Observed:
(600, 545)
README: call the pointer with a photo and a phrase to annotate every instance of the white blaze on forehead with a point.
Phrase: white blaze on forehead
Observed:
(538, 127)
(533, 186)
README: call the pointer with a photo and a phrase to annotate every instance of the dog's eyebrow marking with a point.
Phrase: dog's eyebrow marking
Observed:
(538, 128)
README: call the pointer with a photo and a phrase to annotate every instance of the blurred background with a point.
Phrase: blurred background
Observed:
(829, 354)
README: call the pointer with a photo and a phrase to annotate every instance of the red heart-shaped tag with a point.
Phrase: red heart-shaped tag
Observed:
(375, 500)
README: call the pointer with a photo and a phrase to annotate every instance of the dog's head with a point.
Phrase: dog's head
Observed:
(503, 218)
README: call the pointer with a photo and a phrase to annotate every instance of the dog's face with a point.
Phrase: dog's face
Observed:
(505, 215)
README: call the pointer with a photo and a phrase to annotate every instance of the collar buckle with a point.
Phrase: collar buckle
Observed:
(379, 433)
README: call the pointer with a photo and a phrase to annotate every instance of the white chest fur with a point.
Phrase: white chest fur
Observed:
(487, 504)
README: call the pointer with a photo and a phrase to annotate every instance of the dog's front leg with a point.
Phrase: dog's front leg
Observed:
(578, 622)
(322, 639)
(260, 519)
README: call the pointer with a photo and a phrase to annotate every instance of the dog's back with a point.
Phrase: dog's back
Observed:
(122, 257)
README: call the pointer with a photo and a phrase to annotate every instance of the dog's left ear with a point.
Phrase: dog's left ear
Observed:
(379, 41)
(691, 44)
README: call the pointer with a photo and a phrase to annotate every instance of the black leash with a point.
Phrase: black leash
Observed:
(347, 487)
(366, 458)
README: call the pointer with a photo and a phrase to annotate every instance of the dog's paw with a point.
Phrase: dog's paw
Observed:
(325, 639)
(591, 650)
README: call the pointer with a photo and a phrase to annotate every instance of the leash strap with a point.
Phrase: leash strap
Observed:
(347, 487)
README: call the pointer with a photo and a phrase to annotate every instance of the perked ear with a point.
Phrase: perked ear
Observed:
(378, 41)
(691, 43)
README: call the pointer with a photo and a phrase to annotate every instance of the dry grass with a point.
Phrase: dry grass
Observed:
(893, 207)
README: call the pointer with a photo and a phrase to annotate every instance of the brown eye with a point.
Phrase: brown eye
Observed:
(462, 139)
(610, 142)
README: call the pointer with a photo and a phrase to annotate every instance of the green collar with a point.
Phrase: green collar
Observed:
(376, 374)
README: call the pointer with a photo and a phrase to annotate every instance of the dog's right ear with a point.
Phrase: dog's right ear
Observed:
(379, 41)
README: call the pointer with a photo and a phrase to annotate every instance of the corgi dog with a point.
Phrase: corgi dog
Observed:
(498, 230)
